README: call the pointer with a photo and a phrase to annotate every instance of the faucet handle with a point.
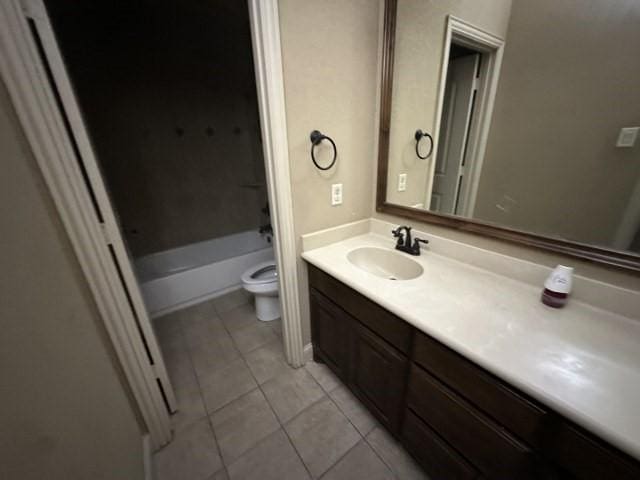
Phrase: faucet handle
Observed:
(417, 242)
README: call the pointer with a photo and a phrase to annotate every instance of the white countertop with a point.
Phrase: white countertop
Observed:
(581, 361)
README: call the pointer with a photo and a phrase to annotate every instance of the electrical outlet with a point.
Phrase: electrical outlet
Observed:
(627, 137)
(402, 182)
(336, 194)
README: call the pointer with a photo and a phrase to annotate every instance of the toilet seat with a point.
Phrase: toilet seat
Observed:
(262, 281)
(260, 274)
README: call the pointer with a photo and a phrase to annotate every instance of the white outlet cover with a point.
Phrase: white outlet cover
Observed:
(402, 182)
(336, 194)
(627, 137)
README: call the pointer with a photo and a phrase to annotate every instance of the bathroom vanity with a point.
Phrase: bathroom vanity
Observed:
(459, 419)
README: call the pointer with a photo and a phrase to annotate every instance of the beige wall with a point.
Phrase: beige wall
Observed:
(170, 101)
(420, 36)
(64, 412)
(569, 82)
(330, 61)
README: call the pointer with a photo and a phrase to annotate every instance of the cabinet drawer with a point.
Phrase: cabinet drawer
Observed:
(437, 458)
(519, 415)
(484, 443)
(394, 330)
(588, 458)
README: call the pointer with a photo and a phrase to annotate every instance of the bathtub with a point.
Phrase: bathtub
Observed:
(176, 278)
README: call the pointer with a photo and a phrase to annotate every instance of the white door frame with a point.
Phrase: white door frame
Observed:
(492, 49)
(265, 36)
(44, 128)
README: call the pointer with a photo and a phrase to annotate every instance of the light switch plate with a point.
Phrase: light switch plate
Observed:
(402, 182)
(336, 194)
(627, 137)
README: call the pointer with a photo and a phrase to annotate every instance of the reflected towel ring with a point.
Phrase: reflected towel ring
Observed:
(316, 139)
(419, 135)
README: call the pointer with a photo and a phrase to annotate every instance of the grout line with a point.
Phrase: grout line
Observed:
(284, 430)
(393, 472)
(340, 458)
(364, 437)
(207, 416)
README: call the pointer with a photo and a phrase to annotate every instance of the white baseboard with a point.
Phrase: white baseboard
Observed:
(146, 457)
(307, 352)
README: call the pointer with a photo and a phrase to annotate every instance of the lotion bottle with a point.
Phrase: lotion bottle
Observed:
(557, 287)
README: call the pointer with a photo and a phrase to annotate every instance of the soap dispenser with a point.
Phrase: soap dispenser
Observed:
(557, 287)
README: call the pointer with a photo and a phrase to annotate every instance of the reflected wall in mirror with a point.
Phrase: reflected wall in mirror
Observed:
(533, 107)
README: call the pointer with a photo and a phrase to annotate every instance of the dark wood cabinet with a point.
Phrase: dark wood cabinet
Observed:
(458, 420)
(331, 330)
(378, 376)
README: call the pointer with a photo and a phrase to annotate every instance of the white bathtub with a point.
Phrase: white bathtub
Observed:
(183, 276)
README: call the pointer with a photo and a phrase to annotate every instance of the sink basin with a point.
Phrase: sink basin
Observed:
(385, 263)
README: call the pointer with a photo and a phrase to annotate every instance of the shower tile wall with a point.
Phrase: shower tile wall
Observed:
(171, 106)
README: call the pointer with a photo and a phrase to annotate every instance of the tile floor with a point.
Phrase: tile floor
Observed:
(245, 414)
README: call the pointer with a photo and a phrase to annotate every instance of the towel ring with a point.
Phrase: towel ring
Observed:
(316, 138)
(418, 136)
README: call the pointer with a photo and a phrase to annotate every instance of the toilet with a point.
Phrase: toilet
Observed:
(262, 281)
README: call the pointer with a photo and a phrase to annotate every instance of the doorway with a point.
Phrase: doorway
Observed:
(42, 93)
(470, 69)
(460, 96)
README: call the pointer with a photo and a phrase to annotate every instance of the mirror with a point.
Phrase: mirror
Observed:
(518, 119)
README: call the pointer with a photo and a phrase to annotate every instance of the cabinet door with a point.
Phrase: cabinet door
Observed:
(378, 377)
(330, 333)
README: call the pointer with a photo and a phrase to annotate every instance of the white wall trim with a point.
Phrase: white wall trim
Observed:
(308, 352)
(492, 48)
(265, 35)
(38, 112)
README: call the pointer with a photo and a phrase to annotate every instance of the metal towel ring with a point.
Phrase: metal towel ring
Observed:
(419, 135)
(316, 138)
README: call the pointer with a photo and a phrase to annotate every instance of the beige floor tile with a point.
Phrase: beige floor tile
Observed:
(239, 317)
(226, 384)
(242, 424)
(190, 407)
(213, 355)
(196, 313)
(323, 375)
(203, 331)
(353, 409)
(274, 458)
(276, 326)
(167, 324)
(291, 392)
(392, 453)
(321, 435)
(267, 362)
(231, 300)
(191, 455)
(221, 475)
(180, 369)
(253, 336)
(361, 463)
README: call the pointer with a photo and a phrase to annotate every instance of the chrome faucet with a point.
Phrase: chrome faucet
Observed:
(404, 243)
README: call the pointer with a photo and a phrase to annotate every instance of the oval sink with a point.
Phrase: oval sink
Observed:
(385, 263)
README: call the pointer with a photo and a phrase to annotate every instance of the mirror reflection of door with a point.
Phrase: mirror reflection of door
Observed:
(457, 112)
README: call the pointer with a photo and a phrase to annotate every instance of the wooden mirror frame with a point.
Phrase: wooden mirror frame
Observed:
(610, 257)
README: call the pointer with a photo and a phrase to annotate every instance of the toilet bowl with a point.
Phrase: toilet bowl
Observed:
(262, 281)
